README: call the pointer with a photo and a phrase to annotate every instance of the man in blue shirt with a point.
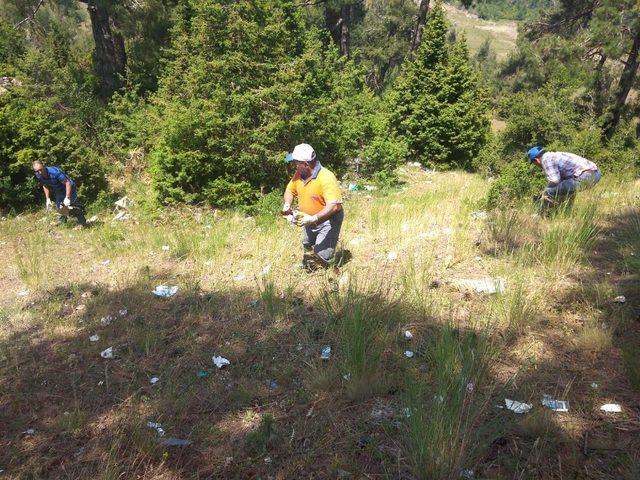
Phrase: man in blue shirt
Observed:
(64, 190)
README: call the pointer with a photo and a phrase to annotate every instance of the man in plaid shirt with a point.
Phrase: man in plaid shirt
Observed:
(566, 173)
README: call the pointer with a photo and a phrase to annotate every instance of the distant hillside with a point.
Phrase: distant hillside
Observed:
(506, 9)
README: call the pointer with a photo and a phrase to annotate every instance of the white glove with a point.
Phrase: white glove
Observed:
(286, 208)
(66, 201)
(49, 204)
(307, 220)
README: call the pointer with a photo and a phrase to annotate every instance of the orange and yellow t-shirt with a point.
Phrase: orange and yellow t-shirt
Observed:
(315, 192)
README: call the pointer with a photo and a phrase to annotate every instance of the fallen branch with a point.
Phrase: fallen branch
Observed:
(30, 17)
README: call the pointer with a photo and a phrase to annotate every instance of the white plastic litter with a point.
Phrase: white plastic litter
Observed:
(108, 353)
(408, 335)
(166, 248)
(104, 321)
(611, 408)
(594, 385)
(123, 312)
(479, 215)
(105, 262)
(165, 291)
(356, 241)
(154, 380)
(125, 202)
(484, 285)
(620, 299)
(176, 442)
(325, 353)
(220, 361)
(555, 405)
(238, 278)
(266, 269)
(517, 407)
(23, 293)
(467, 474)
(122, 216)
(370, 187)
(94, 338)
(93, 219)
(470, 387)
(29, 431)
(408, 354)
(392, 256)
(157, 427)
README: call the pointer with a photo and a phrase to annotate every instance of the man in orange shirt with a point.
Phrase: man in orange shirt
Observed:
(319, 202)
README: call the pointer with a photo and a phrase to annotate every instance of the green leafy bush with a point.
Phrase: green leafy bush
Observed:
(519, 179)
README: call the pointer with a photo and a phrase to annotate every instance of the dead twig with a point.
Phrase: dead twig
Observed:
(30, 17)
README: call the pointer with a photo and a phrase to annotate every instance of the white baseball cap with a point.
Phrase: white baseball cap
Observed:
(302, 153)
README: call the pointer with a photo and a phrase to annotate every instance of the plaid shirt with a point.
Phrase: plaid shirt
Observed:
(560, 166)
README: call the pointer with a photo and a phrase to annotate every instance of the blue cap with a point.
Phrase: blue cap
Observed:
(535, 152)
(288, 157)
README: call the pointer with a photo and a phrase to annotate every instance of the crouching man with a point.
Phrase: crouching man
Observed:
(319, 203)
(64, 190)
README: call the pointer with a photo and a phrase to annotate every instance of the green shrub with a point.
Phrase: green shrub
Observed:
(519, 179)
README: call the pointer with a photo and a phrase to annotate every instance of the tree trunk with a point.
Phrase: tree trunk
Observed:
(624, 86)
(345, 39)
(599, 87)
(421, 18)
(109, 57)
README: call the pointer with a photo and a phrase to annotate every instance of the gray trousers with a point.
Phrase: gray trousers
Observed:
(323, 238)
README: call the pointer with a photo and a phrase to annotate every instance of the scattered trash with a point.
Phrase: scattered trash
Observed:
(94, 338)
(220, 361)
(108, 353)
(105, 262)
(484, 285)
(448, 231)
(123, 312)
(165, 291)
(619, 299)
(86, 294)
(154, 380)
(175, 442)
(343, 281)
(408, 354)
(406, 412)
(347, 376)
(479, 215)
(594, 385)
(470, 387)
(392, 256)
(122, 216)
(93, 219)
(267, 460)
(238, 278)
(408, 335)
(81, 308)
(23, 293)
(325, 353)
(357, 241)
(100, 383)
(273, 384)
(370, 188)
(166, 248)
(202, 374)
(29, 431)
(468, 474)
(381, 411)
(104, 321)
(517, 407)
(611, 408)
(405, 227)
(354, 187)
(266, 269)
(157, 427)
(125, 202)
(555, 405)
(478, 259)
(414, 164)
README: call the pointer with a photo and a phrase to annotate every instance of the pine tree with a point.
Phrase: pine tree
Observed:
(436, 104)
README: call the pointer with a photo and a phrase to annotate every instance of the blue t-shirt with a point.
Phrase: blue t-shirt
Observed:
(55, 181)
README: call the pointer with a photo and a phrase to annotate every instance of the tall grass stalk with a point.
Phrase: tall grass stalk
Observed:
(30, 259)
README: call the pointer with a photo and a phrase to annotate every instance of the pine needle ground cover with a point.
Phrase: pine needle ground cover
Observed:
(385, 404)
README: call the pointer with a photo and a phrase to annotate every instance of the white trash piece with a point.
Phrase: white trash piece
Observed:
(408, 335)
(517, 407)
(104, 321)
(29, 431)
(94, 338)
(479, 215)
(220, 361)
(176, 442)
(157, 427)
(266, 269)
(166, 248)
(555, 405)
(93, 219)
(123, 312)
(23, 293)
(370, 188)
(238, 278)
(108, 353)
(611, 408)
(484, 285)
(325, 353)
(594, 385)
(356, 241)
(125, 202)
(165, 291)
(619, 299)
(408, 354)
(105, 262)
(154, 380)
(392, 256)
(122, 216)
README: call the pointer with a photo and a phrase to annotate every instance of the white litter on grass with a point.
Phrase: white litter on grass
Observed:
(29, 431)
(517, 407)
(447, 231)
(175, 442)
(479, 215)
(620, 299)
(356, 241)
(104, 321)
(154, 380)
(220, 361)
(347, 376)
(484, 285)
(594, 385)
(467, 474)
(165, 291)
(94, 338)
(266, 269)
(125, 202)
(405, 227)
(166, 248)
(108, 353)
(238, 278)
(414, 164)
(408, 335)
(370, 187)
(157, 427)
(344, 280)
(470, 387)
(611, 408)
(325, 353)
(122, 216)
(392, 256)
(24, 293)
(93, 219)
(105, 262)
(408, 354)
(123, 312)
(555, 405)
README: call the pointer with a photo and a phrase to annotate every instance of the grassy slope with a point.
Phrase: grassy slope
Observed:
(280, 411)
(502, 34)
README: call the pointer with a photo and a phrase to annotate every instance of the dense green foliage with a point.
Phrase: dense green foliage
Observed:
(506, 9)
